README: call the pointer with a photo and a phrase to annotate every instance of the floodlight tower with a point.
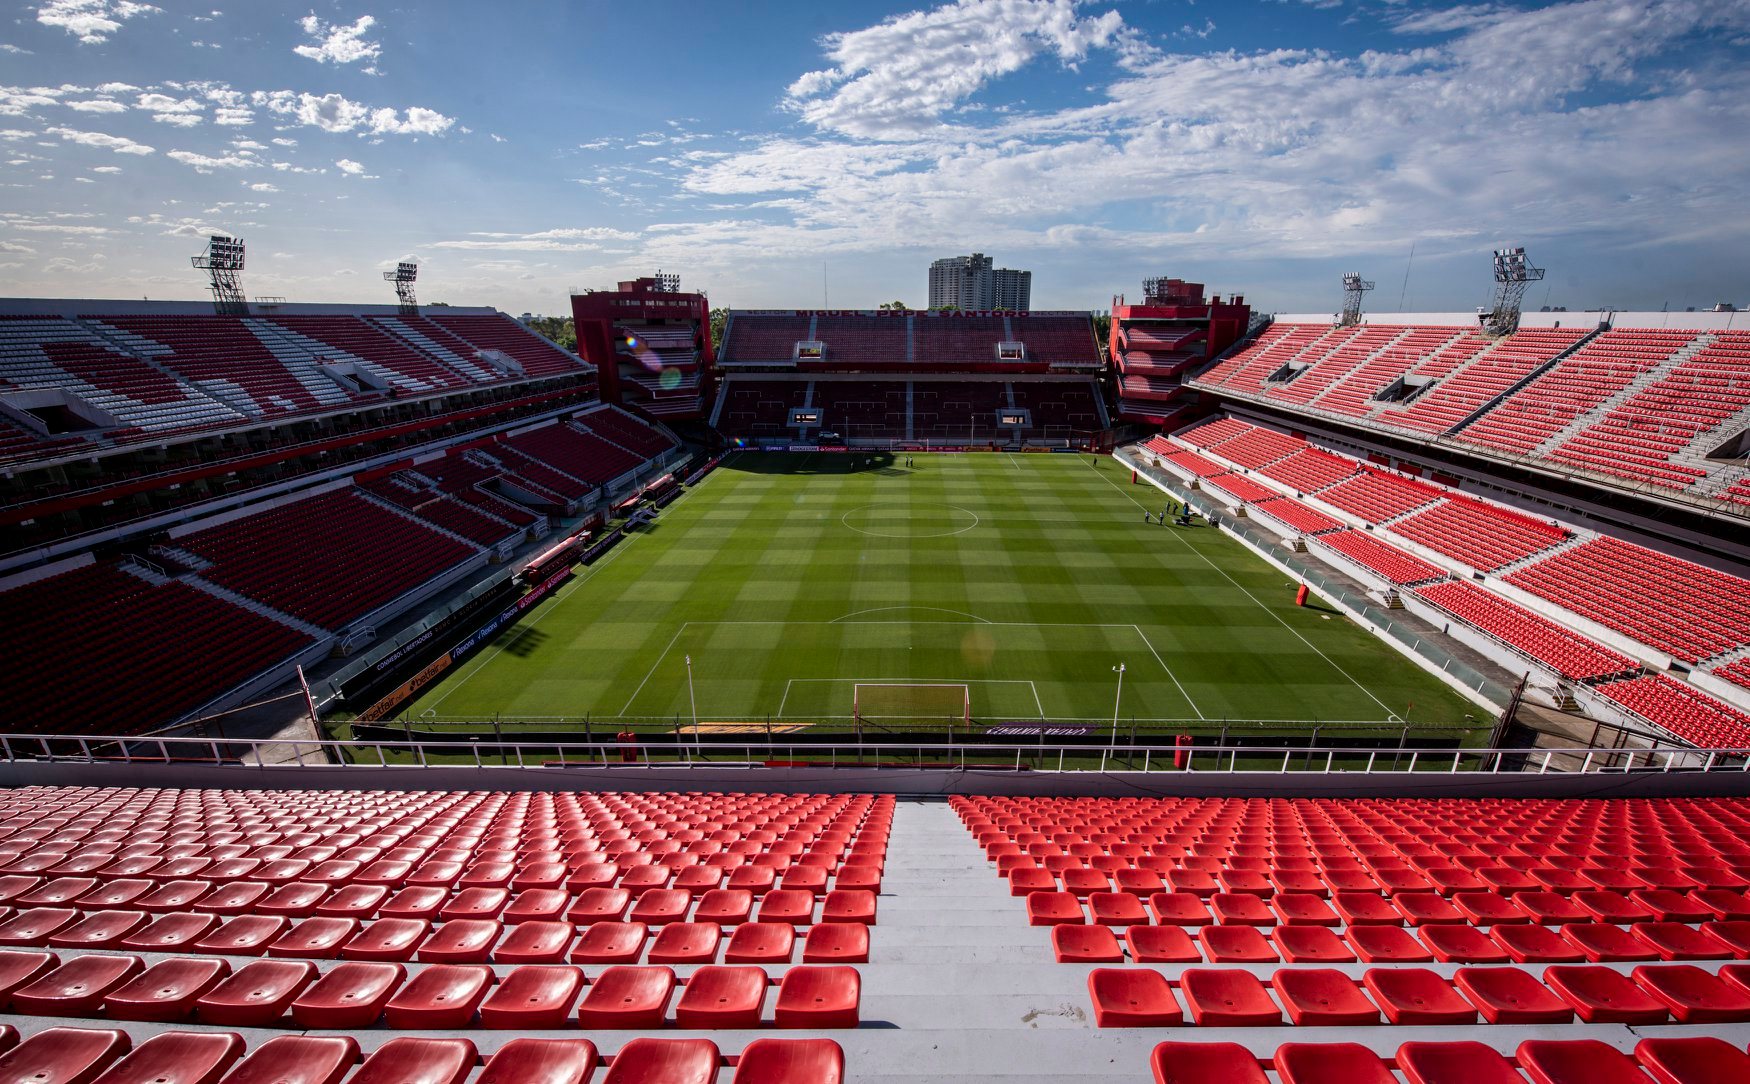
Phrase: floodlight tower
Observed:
(666, 284)
(223, 263)
(1513, 271)
(1353, 287)
(403, 277)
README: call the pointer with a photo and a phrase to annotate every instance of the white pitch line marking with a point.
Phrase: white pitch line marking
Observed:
(1273, 614)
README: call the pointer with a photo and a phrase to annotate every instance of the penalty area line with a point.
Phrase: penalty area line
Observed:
(1260, 602)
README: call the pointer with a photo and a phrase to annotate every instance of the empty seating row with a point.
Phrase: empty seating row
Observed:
(69, 1055)
(1562, 650)
(1683, 710)
(1302, 517)
(1688, 610)
(322, 558)
(1327, 997)
(357, 994)
(1575, 386)
(1482, 536)
(1375, 496)
(1577, 942)
(101, 642)
(1666, 1060)
(1249, 897)
(1380, 558)
(1242, 488)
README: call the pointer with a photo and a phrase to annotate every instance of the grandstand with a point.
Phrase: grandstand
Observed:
(914, 379)
(1652, 405)
(209, 501)
(1566, 600)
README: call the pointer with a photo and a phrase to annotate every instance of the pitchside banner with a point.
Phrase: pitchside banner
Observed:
(488, 630)
(406, 690)
(412, 685)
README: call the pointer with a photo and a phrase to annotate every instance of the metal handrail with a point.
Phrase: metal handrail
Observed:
(718, 755)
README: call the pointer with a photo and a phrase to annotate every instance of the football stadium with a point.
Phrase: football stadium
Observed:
(1163, 685)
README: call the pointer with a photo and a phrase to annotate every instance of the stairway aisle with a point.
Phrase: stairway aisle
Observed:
(959, 988)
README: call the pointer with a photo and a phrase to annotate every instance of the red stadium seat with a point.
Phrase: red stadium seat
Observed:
(1417, 996)
(722, 997)
(1227, 998)
(1569, 1061)
(443, 996)
(1455, 1063)
(627, 997)
(18, 967)
(297, 1059)
(1322, 996)
(166, 991)
(351, 995)
(686, 943)
(818, 997)
(611, 943)
(256, 995)
(791, 1061)
(461, 941)
(665, 1061)
(763, 943)
(537, 942)
(1205, 1063)
(1604, 995)
(533, 997)
(390, 939)
(243, 935)
(1161, 945)
(1330, 1063)
(177, 1057)
(1132, 997)
(76, 988)
(541, 1061)
(64, 1055)
(1692, 1060)
(428, 1061)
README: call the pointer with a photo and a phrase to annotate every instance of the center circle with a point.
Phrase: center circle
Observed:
(909, 521)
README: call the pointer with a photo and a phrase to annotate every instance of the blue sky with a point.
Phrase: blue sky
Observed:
(779, 154)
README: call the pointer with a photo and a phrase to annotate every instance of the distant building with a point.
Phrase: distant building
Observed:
(971, 282)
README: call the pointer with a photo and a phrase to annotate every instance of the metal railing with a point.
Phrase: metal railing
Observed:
(1040, 756)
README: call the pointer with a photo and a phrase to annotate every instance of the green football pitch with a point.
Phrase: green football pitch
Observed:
(787, 580)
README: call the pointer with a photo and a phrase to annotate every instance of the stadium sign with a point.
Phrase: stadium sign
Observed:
(1009, 730)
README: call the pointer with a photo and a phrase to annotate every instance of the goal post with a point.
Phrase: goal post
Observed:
(875, 702)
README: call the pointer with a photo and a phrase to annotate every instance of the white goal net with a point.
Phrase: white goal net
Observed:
(911, 703)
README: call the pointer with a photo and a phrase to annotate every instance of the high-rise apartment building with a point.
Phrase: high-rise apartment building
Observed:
(971, 282)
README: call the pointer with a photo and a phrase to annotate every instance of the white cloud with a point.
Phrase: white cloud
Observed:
(98, 105)
(101, 140)
(570, 239)
(7, 47)
(180, 120)
(348, 166)
(164, 103)
(91, 21)
(202, 163)
(337, 113)
(897, 78)
(116, 88)
(263, 186)
(281, 141)
(16, 248)
(1519, 123)
(335, 44)
(16, 134)
(106, 169)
